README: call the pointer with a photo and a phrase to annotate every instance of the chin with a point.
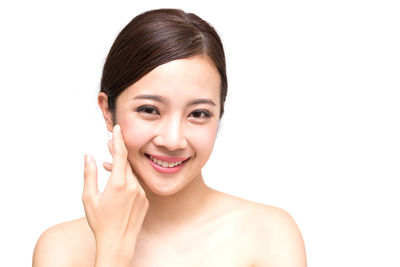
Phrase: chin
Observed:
(164, 189)
(161, 186)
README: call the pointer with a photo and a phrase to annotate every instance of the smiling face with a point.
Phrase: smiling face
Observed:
(169, 119)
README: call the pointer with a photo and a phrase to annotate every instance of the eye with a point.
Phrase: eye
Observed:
(200, 114)
(151, 110)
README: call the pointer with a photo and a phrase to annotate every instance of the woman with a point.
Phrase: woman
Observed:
(162, 96)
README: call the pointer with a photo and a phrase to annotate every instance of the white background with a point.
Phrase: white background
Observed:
(312, 120)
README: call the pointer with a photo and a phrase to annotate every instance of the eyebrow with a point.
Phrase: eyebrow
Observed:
(151, 97)
(163, 100)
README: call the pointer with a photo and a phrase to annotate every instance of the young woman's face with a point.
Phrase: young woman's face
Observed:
(169, 119)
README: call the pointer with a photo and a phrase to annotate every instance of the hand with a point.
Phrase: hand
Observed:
(116, 215)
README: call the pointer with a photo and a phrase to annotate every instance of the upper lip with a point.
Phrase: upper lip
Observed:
(168, 158)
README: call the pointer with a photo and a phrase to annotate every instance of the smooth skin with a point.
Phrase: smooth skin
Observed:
(146, 218)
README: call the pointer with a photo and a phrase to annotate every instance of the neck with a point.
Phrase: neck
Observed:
(181, 209)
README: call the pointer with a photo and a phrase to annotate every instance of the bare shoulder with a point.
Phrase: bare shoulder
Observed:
(64, 244)
(275, 238)
(278, 239)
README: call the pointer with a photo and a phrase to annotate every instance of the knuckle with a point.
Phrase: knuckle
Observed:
(116, 181)
(87, 171)
(118, 185)
(133, 188)
(86, 198)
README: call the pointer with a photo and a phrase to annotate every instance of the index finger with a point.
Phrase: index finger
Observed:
(120, 155)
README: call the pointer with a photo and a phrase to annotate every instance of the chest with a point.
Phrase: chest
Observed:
(221, 246)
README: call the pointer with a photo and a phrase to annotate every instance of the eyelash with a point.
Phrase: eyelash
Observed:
(148, 108)
(151, 110)
(203, 113)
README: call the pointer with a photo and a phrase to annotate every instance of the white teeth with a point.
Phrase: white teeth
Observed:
(165, 164)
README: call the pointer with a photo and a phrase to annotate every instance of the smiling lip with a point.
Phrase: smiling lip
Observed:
(167, 170)
(168, 159)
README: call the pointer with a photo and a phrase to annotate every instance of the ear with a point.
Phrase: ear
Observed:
(102, 100)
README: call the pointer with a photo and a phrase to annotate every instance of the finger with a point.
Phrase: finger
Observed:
(107, 166)
(110, 145)
(130, 176)
(120, 155)
(90, 187)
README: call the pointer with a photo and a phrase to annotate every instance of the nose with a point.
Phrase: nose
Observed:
(171, 134)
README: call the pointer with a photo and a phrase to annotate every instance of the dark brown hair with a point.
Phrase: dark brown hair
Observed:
(154, 38)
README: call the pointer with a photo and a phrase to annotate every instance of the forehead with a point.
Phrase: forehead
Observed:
(188, 78)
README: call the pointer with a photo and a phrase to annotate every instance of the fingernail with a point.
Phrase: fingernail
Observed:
(117, 128)
(88, 160)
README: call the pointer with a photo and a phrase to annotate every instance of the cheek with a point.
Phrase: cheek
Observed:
(203, 139)
(136, 134)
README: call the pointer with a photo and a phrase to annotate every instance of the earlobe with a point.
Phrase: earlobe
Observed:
(102, 100)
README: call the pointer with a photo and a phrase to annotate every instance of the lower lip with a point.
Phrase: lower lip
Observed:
(166, 169)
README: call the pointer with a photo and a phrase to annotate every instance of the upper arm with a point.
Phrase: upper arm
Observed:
(50, 249)
(280, 241)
